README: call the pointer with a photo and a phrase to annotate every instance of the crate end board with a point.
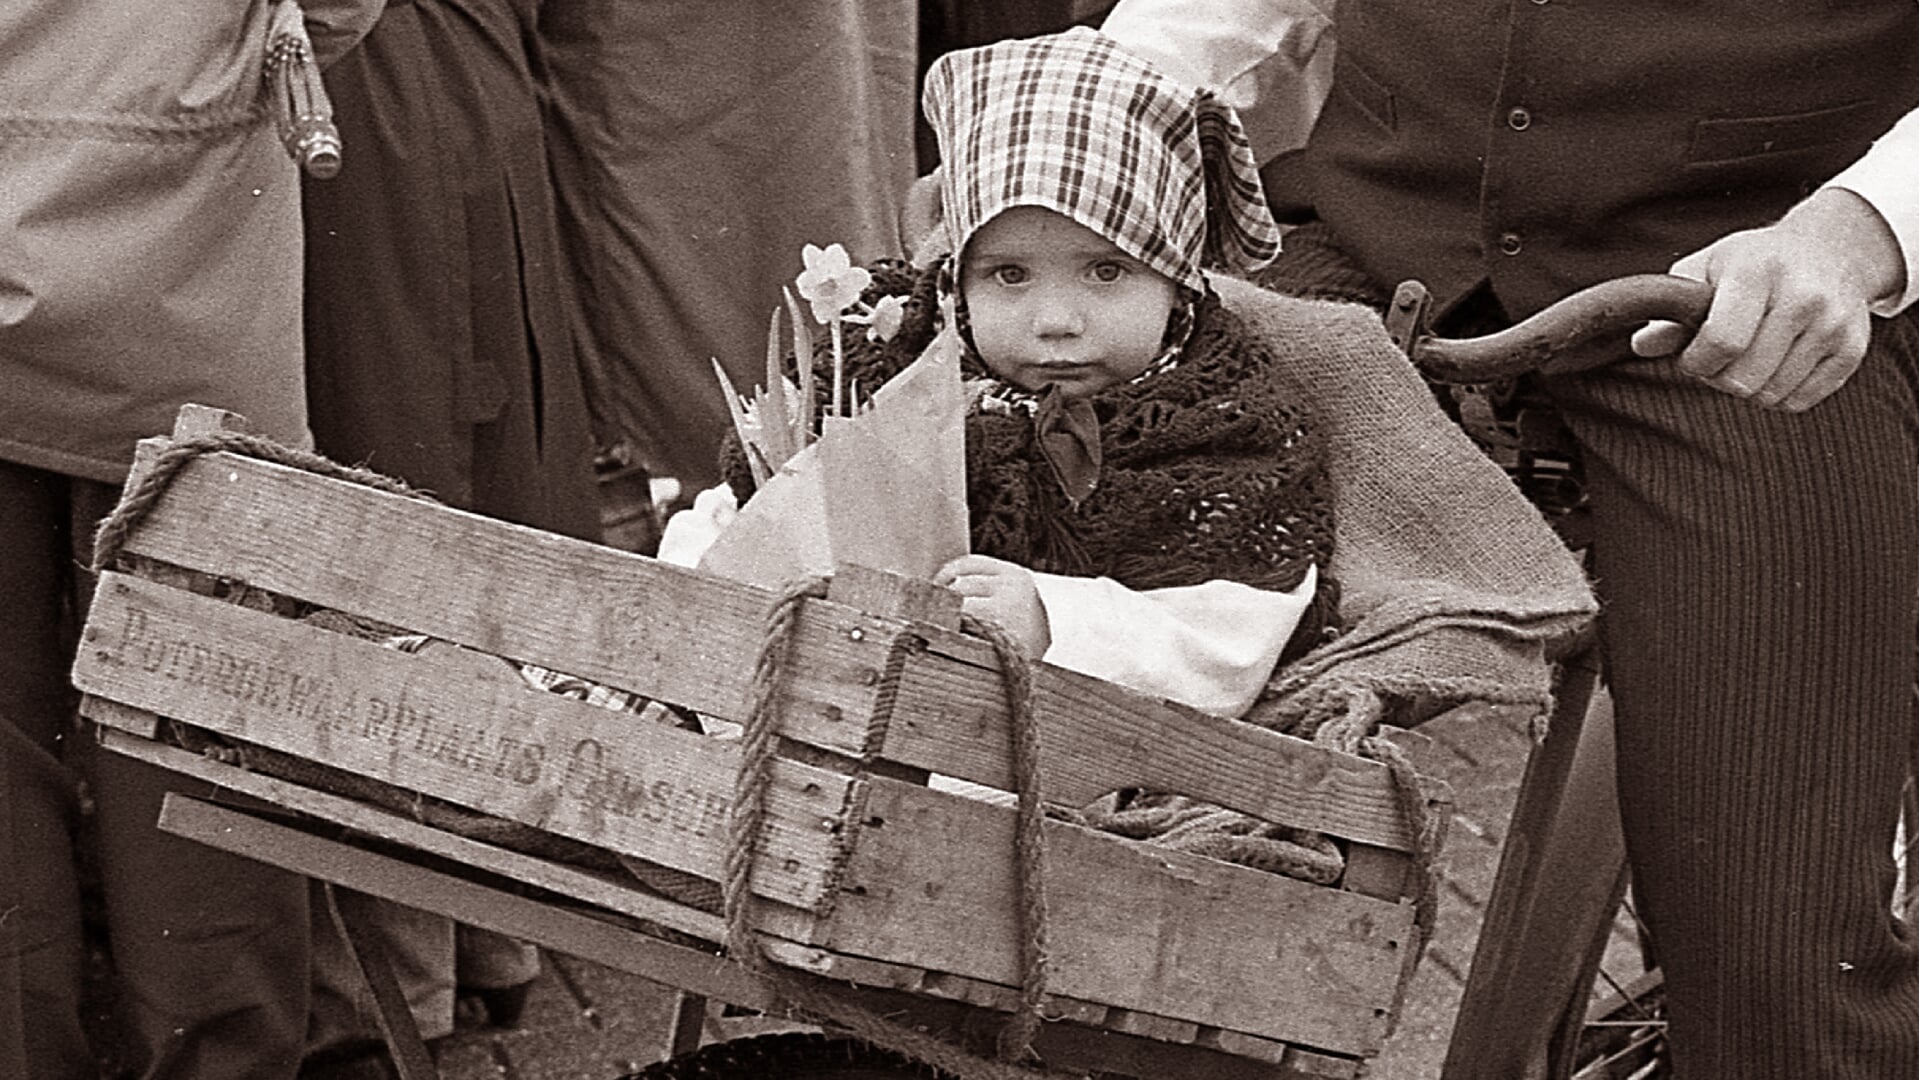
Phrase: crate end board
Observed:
(461, 726)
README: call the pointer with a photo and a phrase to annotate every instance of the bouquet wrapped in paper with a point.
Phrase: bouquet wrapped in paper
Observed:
(883, 486)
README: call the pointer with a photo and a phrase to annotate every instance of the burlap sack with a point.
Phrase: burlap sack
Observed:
(1454, 586)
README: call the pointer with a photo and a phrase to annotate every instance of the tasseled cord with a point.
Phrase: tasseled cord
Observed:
(301, 110)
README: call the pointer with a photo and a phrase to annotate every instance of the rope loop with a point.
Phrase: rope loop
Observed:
(1016, 677)
(748, 817)
(1420, 821)
(761, 724)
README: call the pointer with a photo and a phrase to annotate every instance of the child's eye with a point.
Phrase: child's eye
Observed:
(1108, 271)
(1009, 274)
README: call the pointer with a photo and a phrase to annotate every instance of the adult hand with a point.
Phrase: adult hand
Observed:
(1789, 322)
(1000, 592)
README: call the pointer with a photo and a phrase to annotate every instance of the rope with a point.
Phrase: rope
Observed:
(1423, 825)
(749, 816)
(886, 695)
(140, 496)
(1016, 1040)
(1186, 824)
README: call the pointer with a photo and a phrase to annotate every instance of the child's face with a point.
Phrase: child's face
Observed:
(1052, 302)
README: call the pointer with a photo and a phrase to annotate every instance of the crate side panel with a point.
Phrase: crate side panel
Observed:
(1161, 932)
(1101, 737)
(455, 724)
(692, 639)
(585, 609)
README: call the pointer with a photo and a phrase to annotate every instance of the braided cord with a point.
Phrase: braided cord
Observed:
(1016, 675)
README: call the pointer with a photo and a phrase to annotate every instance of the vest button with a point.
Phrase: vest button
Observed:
(1509, 243)
(1519, 119)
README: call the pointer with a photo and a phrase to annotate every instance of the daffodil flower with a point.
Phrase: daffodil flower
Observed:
(830, 282)
(884, 320)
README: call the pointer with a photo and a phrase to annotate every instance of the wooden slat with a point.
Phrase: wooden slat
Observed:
(457, 725)
(1151, 1026)
(1379, 872)
(1302, 1064)
(864, 971)
(1097, 739)
(1067, 1046)
(373, 821)
(119, 717)
(354, 916)
(1240, 1044)
(570, 932)
(930, 884)
(691, 639)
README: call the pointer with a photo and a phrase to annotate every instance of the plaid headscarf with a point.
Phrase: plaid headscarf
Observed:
(1074, 123)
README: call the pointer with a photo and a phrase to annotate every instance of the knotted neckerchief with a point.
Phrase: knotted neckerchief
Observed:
(1068, 432)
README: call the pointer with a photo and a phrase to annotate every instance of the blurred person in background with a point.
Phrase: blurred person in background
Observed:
(440, 351)
(150, 256)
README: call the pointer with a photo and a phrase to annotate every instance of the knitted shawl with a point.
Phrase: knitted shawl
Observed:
(1210, 470)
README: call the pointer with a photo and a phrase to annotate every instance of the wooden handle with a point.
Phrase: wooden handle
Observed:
(1619, 304)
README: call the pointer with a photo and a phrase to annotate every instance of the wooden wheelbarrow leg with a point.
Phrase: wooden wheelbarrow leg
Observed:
(347, 909)
(1553, 899)
(351, 915)
(689, 1024)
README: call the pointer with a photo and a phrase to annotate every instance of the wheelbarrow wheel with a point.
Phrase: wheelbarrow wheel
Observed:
(1625, 1033)
(790, 1055)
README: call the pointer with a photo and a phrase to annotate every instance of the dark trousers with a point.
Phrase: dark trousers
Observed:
(1760, 579)
(1760, 573)
(210, 949)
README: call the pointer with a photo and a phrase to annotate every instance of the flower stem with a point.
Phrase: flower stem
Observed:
(839, 368)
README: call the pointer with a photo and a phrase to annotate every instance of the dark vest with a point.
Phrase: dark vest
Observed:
(1544, 145)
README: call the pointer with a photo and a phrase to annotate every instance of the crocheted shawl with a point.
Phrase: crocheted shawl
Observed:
(1210, 471)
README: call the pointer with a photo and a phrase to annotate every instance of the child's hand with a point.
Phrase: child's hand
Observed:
(1004, 593)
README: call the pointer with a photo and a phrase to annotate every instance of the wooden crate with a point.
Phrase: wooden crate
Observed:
(865, 874)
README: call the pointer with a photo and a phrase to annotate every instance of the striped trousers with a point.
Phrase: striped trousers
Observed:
(1760, 579)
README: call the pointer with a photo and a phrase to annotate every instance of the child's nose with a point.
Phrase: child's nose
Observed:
(1055, 315)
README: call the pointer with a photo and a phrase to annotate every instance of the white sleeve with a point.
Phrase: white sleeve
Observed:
(1211, 646)
(1271, 60)
(1888, 178)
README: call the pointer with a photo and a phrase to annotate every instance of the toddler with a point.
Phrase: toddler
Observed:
(1146, 506)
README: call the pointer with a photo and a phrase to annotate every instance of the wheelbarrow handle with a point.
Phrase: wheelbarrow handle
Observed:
(1552, 334)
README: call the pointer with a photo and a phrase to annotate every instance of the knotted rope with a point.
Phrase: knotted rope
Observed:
(749, 815)
(1016, 676)
(1353, 731)
(1421, 822)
